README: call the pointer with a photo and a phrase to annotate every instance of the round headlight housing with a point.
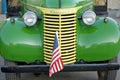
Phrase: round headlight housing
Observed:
(89, 17)
(30, 18)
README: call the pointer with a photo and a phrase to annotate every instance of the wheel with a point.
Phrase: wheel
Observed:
(108, 75)
(11, 76)
(112, 74)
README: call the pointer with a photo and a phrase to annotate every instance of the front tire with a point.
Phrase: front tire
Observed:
(11, 76)
(108, 75)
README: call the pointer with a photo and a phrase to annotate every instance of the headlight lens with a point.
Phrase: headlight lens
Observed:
(89, 17)
(30, 18)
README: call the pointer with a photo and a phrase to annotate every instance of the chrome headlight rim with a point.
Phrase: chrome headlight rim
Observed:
(89, 17)
(30, 18)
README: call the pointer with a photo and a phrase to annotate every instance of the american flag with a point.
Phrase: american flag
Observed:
(56, 63)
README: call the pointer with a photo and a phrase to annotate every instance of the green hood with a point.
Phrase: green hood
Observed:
(57, 3)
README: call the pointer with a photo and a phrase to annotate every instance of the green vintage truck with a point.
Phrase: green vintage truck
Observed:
(87, 42)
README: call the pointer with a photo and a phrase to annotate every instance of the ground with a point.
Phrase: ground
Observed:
(70, 75)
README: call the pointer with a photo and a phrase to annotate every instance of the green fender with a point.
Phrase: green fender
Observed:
(98, 42)
(19, 42)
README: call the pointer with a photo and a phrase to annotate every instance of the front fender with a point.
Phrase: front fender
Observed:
(98, 42)
(19, 42)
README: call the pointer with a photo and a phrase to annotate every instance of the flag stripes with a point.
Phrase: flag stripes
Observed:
(56, 64)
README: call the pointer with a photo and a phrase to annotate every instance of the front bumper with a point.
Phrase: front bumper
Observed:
(67, 68)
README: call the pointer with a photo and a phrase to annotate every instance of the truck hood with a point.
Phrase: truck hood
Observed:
(57, 3)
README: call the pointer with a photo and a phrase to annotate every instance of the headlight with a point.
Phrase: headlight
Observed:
(89, 17)
(30, 18)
